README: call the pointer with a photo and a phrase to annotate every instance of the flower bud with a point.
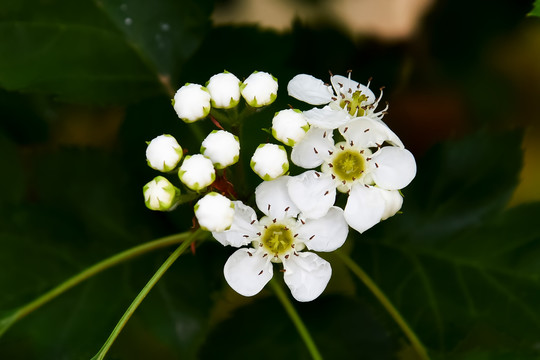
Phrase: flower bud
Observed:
(161, 195)
(163, 153)
(214, 212)
(270, 161)
(192, 102)
(289, 126)
(224, 90)
(197, 172)
(222, 147)
(259, 89)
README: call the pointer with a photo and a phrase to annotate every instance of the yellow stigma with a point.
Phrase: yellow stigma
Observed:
(277, 239)
(348, 165)
(353, 104)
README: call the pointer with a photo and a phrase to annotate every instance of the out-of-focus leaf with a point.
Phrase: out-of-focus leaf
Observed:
(342, 328)
(536, 9)
(12, 182)
(453, 264)
(110, 51)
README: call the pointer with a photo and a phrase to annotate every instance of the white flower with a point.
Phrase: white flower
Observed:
(163, 153)
(214, 212)
(222, 147)
(160, 194)
(349, 99)
(362, 166)
(192, 102)
(269, 161)
(279, 237)
(224, 90)
(289, 126)
(197, 172)
(259, 89)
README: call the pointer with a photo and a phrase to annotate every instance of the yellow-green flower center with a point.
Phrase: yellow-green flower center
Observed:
(348, 165)
(277, 239)
(353, 104)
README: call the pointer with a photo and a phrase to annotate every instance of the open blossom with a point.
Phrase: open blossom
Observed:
(280, 237)
(346, 99)
(365, 166)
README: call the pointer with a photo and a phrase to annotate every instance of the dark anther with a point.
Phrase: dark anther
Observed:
(324, 135)
(252, 222)
(250, 254)
(312, 236)
(261, 272)
(345, 130)
(330, 165)
(274, 221)
(287, 208)
(342, 147)
(268, 207)
(265, 255)
(246, 236)
(287, 256)
(295, 235)
(316, 173)
(376, 165)
(330, 152)
(326, 193)
(333, 176)
(366, 130)
(315, 150)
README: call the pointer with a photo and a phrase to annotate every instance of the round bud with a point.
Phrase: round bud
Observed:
(222, 147)
(197, 172)
(259, 89)
(214, 212)
(163, 153)
(192, 102)
(289, 126)
(224, 90)
(270, 161)
(160, 194)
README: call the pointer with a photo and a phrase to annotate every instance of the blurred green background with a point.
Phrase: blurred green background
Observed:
(83, 85)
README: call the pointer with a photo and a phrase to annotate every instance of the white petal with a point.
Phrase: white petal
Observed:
(327, 117)
(327, 233)
(272, 198)
(306, 275)
(313, 192)
(309, 89)
(365, 207)
(244, 223)
(247, 274)
(396, 168)
(393, 201)
(311, 151)
(347, 84)
(366, 132)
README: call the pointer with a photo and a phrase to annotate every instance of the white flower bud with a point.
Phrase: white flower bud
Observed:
(224, 89)
(222, 147)
(197, 172)
(160, 194)
(214, 212)
(163, 153)
(289, 126)
(270, 161)
(259, 89)
(192, 102)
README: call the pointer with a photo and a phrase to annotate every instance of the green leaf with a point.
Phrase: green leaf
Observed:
(104, 52)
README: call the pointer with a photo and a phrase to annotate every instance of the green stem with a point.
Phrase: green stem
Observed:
(138, 300)
(89, 272)
(372, 286)
(291, 311)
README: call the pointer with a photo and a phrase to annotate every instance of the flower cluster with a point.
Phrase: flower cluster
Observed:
(345, 148)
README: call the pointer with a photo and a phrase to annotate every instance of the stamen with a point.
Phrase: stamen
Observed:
(368, 159)
(246, 236)
(268, 207)
(330, 165)
(287, 256)
(352, 143)
(259, 234)
(330, 152)
(265, 255)
(334, 98)
(316, 173)
(333, 176)
(283, 270)
(296, 254)
(342, 147)
(366, 130)
(315, 150)
(344, 182)
(274, 221)
(376, 165)
(366, 185)
(287, 208)
(252, 222)
(324, 135)
(261, 272)
(292, 245)
(345, 130)
(295, 235)
(340, 85)
(250, 254)
(312, 236)
(326, 193)
(303, 222)
(361, 151)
